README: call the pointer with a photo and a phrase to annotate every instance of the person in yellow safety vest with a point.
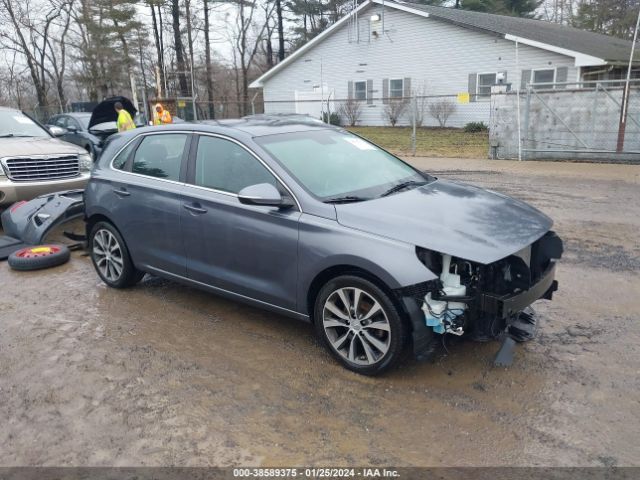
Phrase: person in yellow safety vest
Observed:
(162, 116)
(125, 122)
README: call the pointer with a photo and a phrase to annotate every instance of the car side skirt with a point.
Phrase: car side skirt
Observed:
(226, 293)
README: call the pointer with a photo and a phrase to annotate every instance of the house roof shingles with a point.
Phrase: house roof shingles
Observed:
(611, 49)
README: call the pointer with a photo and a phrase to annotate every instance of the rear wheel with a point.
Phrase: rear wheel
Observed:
(360, 325)
(111, 258)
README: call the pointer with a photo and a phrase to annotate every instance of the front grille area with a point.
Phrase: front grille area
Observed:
(50, 167)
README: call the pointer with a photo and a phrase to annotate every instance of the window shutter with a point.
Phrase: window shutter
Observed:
(349, 90)
(473, 78)
(561, 76)
(385, 90)
(369, 92)
(524, 79)
(406, 84)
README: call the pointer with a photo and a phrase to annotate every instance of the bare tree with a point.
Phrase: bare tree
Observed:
(441, 110)
(394, 110)
(207, 55)
(158, 44)
(247, 36)
(280, 27)
(419, 108)
(179, 48)
(351, 109)
(29, 37)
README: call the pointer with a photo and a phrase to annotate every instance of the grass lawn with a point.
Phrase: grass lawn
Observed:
(431, 142)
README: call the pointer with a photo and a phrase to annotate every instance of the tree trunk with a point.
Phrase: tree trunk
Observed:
(156, 36)
(182, 78)
(280, 30)
(207, 54)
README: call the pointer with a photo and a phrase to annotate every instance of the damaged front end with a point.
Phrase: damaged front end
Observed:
(489, 301)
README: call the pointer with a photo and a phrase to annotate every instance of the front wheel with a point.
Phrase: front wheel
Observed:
(360, 325)
(111, 258)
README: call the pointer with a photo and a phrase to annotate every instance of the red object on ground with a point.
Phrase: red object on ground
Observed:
(40, 251)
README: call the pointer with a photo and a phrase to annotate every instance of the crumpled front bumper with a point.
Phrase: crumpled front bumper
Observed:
(504, 306)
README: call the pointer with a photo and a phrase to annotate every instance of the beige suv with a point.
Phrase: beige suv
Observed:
(33, 162)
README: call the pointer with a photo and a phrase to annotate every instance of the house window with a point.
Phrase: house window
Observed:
(544, 76)
(360, 90)
(485, 82)
(396, 88)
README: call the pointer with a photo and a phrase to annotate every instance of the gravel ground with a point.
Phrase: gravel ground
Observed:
(163, 374)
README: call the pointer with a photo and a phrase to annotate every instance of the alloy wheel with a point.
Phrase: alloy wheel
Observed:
(107, 255)
(356, 326)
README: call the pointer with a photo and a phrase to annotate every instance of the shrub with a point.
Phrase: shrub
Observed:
(441, 110)
(476, 127)
(334, 118)
(394, 110)
(351, 110)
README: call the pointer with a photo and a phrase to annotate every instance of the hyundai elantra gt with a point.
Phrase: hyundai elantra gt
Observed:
(313, 222)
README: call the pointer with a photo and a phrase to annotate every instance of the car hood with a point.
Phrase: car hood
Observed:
(105, 111)
(20, 146)
(452, 218)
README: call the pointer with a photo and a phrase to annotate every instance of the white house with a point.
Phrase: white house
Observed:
(389, 49)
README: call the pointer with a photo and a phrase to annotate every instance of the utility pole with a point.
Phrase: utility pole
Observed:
(625, 94)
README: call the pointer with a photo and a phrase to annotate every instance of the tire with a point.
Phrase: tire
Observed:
(39, 257)
(366, 343)
(111, 258)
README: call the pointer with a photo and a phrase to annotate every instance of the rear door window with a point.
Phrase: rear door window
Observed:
(160, 156)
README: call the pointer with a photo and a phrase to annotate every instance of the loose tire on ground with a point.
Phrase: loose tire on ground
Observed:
(39, 257)
(374, 336)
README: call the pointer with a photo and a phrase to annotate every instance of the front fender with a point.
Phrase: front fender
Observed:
(324, 244)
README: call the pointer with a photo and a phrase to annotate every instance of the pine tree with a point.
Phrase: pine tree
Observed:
(611, 17)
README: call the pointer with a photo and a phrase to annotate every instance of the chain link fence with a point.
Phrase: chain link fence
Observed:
(590, 120)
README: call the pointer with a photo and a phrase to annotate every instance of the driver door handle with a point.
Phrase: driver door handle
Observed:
(121, 193)
(195, 208)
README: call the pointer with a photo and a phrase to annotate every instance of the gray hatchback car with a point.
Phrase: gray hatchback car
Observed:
(313, 222)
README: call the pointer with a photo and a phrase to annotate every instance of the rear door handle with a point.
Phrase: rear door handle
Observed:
(121, 193)
(195, 208)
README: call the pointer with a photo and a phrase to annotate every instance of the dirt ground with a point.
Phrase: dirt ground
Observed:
(163, 374)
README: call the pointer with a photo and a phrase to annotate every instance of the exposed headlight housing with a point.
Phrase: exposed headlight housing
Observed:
(85, 161)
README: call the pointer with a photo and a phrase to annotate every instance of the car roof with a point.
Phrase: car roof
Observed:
(257, 125)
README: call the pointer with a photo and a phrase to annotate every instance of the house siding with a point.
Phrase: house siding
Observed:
(437, 56)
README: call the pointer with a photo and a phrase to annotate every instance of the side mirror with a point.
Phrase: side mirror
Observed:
(263, 194)
(57, 131)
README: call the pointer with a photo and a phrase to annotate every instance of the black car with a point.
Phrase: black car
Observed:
(90, 130)
(75, 129)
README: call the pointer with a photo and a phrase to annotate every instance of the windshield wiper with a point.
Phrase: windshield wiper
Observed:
(11, 135)
(402, 186)
(345, 199)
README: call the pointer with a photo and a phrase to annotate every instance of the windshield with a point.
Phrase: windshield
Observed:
(83, 120)
(17, 124)
(338, 165)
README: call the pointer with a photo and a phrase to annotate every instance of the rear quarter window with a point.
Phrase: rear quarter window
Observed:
(120, 161)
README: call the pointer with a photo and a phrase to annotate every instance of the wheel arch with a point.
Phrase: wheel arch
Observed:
(92, 220)
(335, 271)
